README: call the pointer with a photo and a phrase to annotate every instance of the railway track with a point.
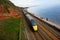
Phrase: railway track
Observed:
(45, 32)
(48, 32)
(30, 35)
(57, 33)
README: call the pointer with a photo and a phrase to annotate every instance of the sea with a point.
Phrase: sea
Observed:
(52, 13)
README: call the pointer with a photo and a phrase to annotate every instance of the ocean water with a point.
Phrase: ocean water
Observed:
(52, 13)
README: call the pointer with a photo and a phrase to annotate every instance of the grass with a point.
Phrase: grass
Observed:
(22, 36)
(9, 29)
(12, 29)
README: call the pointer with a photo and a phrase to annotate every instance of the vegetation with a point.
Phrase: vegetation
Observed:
(11, 28)
(22, 37)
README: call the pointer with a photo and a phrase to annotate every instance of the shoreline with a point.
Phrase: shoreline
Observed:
(44, 19)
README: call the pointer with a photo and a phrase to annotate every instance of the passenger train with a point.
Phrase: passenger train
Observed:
(33, 22)
(34, 25)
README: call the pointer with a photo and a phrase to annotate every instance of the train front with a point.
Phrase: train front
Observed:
(34, 25)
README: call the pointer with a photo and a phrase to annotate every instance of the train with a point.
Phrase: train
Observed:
(32, 22)
(34, 25)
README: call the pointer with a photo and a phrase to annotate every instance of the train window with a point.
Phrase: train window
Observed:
(33, 22)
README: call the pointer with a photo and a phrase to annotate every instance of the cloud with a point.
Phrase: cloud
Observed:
(35, 2)
(23, 2)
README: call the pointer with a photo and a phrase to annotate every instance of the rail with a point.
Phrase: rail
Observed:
(48, 23)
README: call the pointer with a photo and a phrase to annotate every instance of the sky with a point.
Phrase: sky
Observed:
(42, 3)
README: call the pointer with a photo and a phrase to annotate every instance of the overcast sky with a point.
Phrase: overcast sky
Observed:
(24, 3)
